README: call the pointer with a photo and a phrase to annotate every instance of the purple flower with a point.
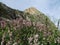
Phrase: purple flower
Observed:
(2, 24)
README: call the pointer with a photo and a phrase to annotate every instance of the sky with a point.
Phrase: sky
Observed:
(49, 7)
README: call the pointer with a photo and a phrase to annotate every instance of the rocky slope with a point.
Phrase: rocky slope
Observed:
(28, 27)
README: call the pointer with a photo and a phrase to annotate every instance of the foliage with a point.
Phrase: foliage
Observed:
(42, 32)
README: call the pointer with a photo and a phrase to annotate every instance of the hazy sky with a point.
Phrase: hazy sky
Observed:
(49, 7)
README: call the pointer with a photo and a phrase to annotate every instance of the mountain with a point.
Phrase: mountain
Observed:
(37, 16)
(28, 27)
(32, 11)
(8, 12)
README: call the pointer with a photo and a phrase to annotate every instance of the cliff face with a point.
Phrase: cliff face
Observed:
(29, 27)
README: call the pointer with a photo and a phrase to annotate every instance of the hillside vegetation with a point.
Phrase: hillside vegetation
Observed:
(28, 27)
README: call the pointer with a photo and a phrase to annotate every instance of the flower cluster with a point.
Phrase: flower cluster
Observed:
(2, 23)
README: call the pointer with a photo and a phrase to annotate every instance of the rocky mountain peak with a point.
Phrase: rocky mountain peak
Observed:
(32, 10)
